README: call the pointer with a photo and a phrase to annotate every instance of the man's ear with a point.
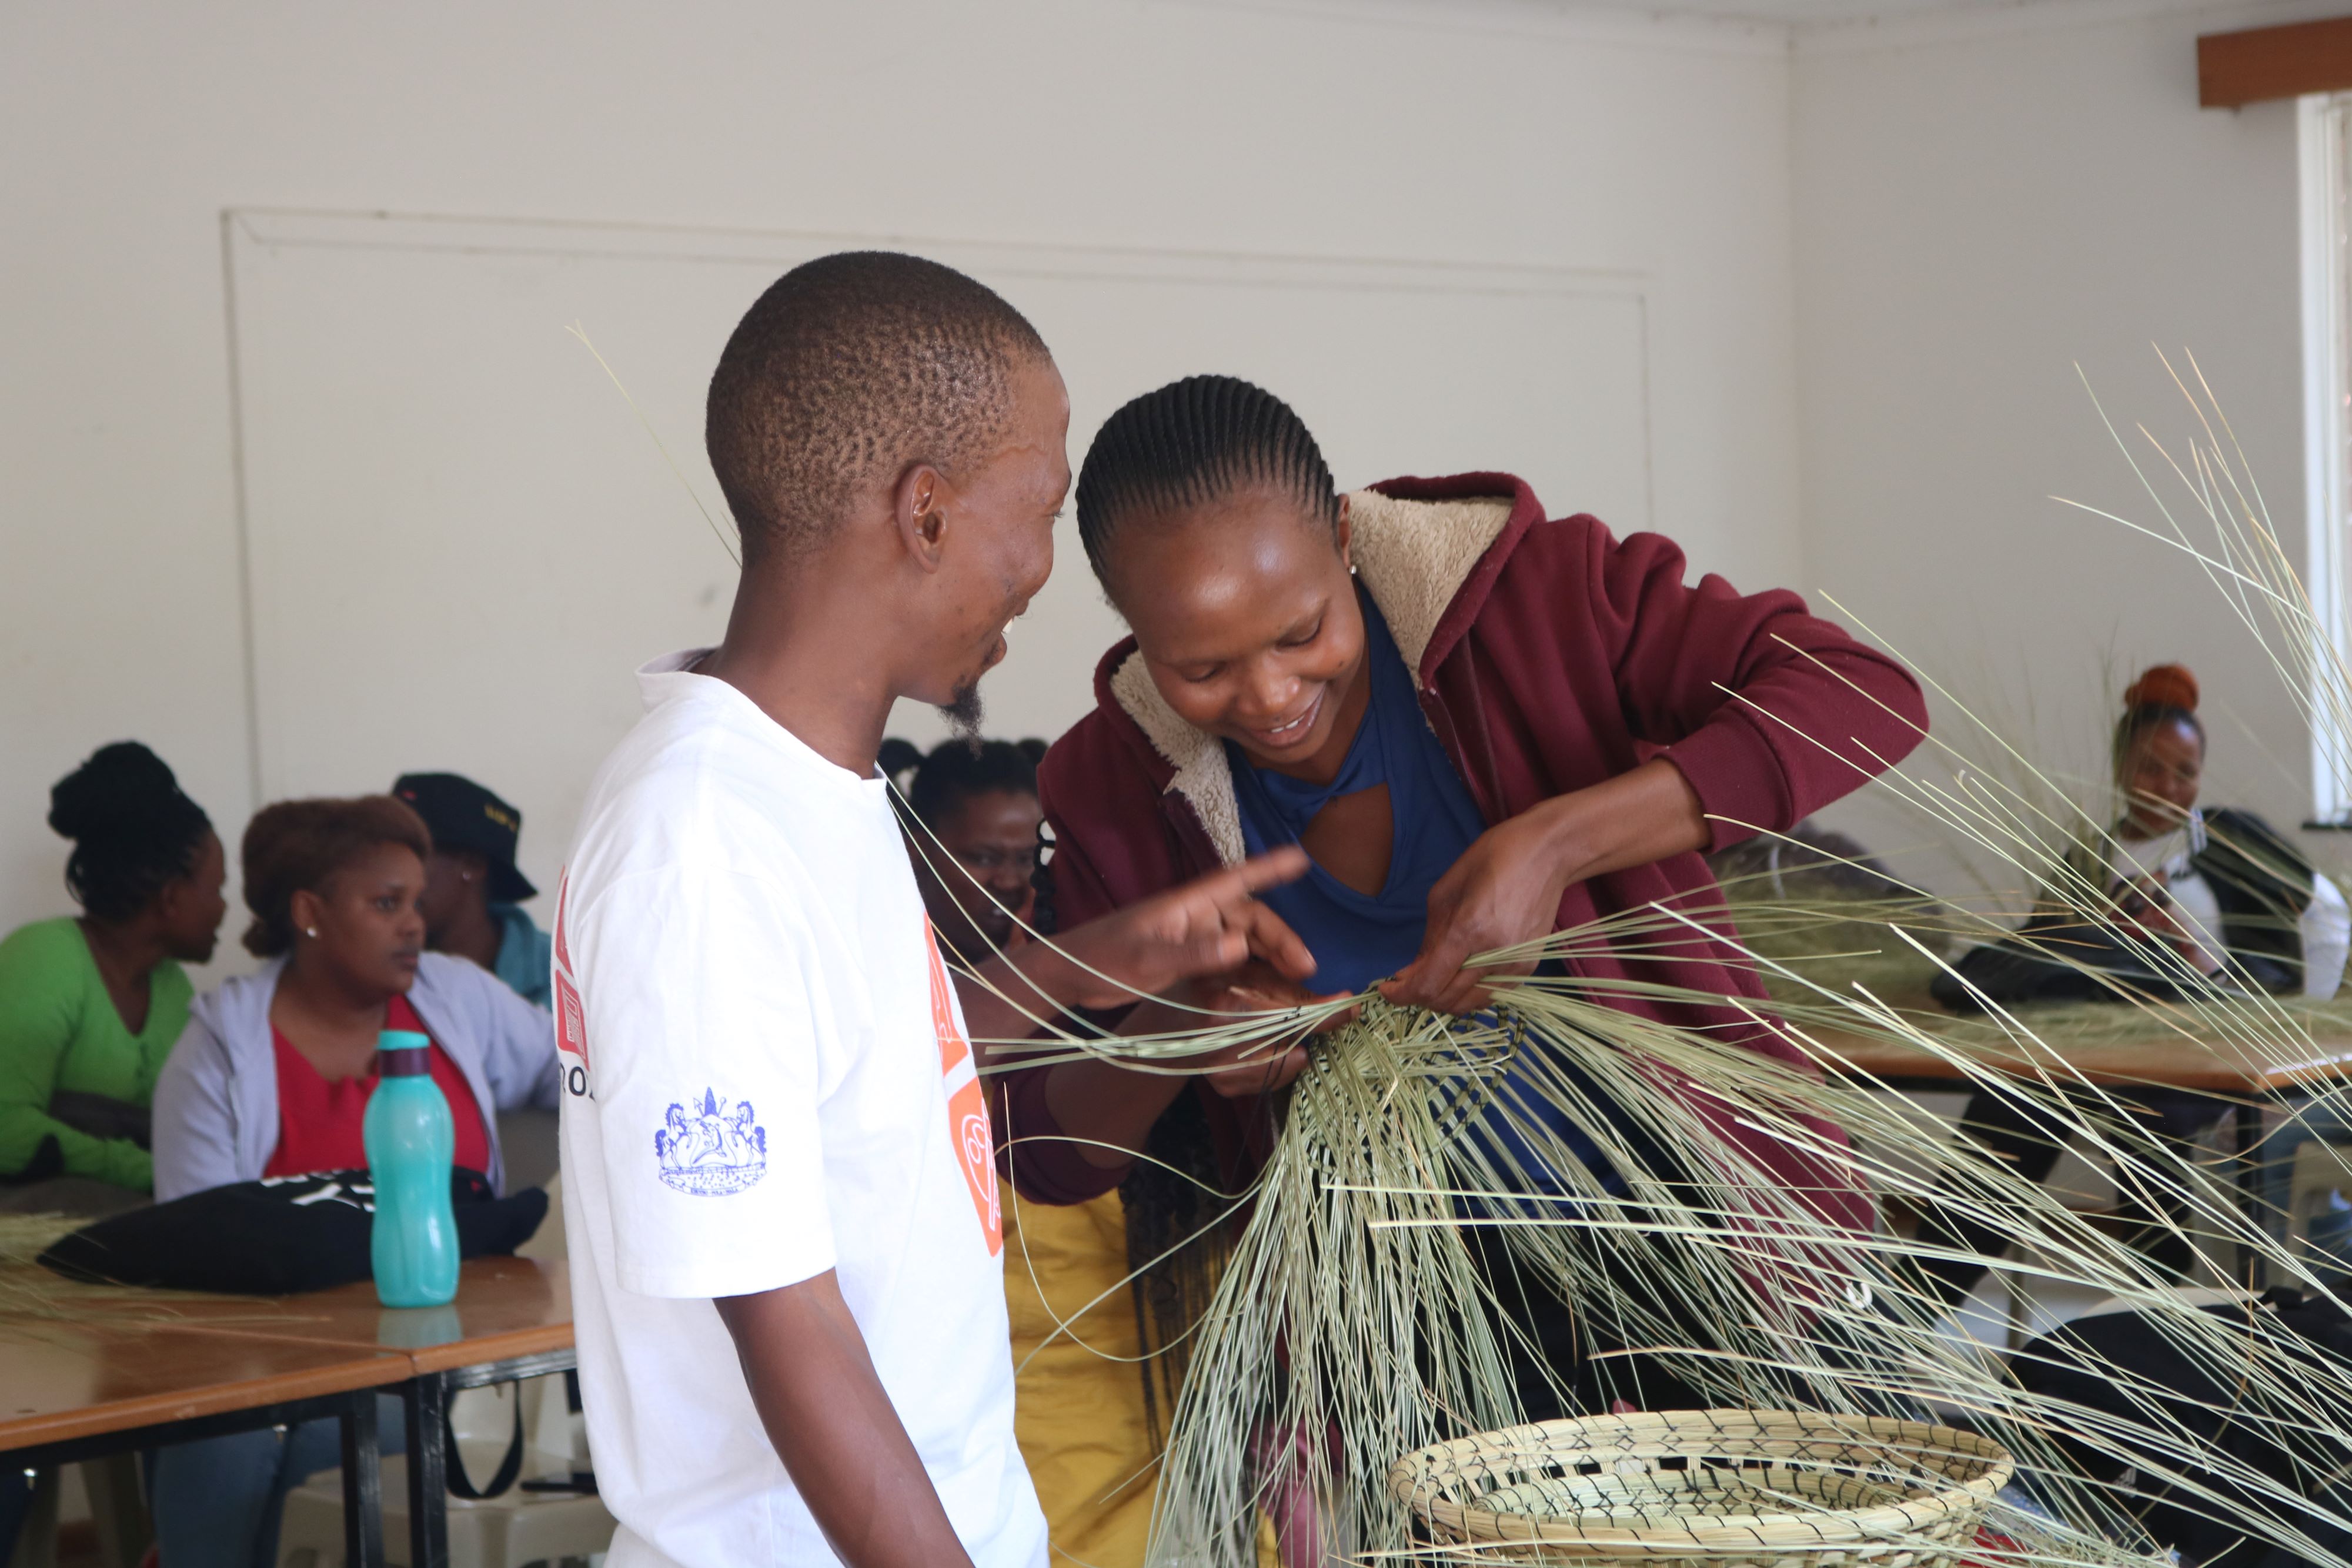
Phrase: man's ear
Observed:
(919, 508)
(1346, 536)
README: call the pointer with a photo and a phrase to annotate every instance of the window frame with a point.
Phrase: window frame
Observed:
(2324, 136)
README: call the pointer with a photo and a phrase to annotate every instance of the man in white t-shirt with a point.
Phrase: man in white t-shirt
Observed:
(780, 1187)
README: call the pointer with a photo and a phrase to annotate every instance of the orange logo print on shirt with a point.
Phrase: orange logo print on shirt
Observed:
(571, 1017)
(975, 1145)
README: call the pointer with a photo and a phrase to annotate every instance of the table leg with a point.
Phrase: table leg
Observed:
(117, 1510)
(362, 1484)
(426, 1400)
(2251, 1198)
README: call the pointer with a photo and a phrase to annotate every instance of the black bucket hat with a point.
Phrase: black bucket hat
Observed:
(463, 815)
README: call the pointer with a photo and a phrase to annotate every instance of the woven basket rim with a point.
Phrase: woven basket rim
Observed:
(1664, 1433)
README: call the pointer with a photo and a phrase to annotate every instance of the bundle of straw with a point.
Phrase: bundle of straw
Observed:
(1350, 1323)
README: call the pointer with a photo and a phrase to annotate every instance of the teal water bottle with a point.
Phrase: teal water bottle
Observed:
(411, 1143)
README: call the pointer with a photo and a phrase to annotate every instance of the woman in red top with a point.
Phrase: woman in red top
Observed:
(274, 1072)
(318, 1117)
(1482, 725)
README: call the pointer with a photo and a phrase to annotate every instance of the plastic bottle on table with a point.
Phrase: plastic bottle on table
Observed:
(411, 1144)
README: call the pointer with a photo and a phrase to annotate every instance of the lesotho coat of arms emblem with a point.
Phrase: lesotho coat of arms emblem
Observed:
(711, 1147)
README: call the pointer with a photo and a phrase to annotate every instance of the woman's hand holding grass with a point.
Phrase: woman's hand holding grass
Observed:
(1113, 1106)
(1253, 1067)
(1506, 887)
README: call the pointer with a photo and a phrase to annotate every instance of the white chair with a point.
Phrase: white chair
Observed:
(506, 1532)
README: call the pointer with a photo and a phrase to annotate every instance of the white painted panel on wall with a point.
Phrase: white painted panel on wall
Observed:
(460, 540)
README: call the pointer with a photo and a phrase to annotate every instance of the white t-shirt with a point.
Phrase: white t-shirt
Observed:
(2327, 930)
(767, 1076)
(2165, 861)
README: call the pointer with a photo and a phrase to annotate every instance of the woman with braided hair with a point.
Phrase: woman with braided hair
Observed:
(1482, 725)
(90, 1005)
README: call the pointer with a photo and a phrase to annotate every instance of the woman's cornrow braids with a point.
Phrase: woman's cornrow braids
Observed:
(1190, 443)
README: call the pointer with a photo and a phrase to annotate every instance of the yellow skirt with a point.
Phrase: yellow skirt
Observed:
(1079, 1407)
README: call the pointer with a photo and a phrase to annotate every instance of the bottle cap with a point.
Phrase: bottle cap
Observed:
(402, 1053)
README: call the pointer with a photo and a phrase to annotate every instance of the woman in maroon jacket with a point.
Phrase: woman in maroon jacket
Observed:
(1482, 727)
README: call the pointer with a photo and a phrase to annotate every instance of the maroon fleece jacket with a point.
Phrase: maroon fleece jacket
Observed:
(1566, 657)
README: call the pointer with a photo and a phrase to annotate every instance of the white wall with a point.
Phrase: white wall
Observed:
(1870, 256)
(1982, 202)
(1473, 133)
(387, 490)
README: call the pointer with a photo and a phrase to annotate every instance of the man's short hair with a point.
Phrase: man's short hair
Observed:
(848, 369)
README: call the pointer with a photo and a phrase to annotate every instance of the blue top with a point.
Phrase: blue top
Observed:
(526, 956)
(1359, 939)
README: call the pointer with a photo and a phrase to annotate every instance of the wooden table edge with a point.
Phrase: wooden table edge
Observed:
(2309, 1075)
(506, 1346)
(1863, 1058)
(382, 1370)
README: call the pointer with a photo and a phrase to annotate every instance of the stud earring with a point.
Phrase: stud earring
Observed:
(311, 932)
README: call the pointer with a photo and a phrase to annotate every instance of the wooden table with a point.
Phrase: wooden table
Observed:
(2162, 1059)
(73, 1391)
(2169, 1061)
(512, 1319)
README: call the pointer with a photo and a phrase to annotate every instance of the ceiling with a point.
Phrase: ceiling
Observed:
(1801, 13)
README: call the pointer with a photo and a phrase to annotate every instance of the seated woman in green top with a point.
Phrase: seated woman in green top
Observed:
(90, 1007)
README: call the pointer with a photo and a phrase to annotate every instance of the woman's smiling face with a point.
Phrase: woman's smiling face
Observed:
(1246, 617)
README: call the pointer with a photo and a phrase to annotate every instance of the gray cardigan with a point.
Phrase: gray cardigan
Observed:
(216, 1102)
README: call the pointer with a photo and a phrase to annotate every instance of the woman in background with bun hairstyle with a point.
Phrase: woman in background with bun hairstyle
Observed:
(2228, 891)
(90, 1005)
(273, 1077)
(2217, 892)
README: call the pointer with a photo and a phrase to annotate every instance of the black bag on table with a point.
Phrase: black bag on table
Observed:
(278, 1236)
(2084, 962)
